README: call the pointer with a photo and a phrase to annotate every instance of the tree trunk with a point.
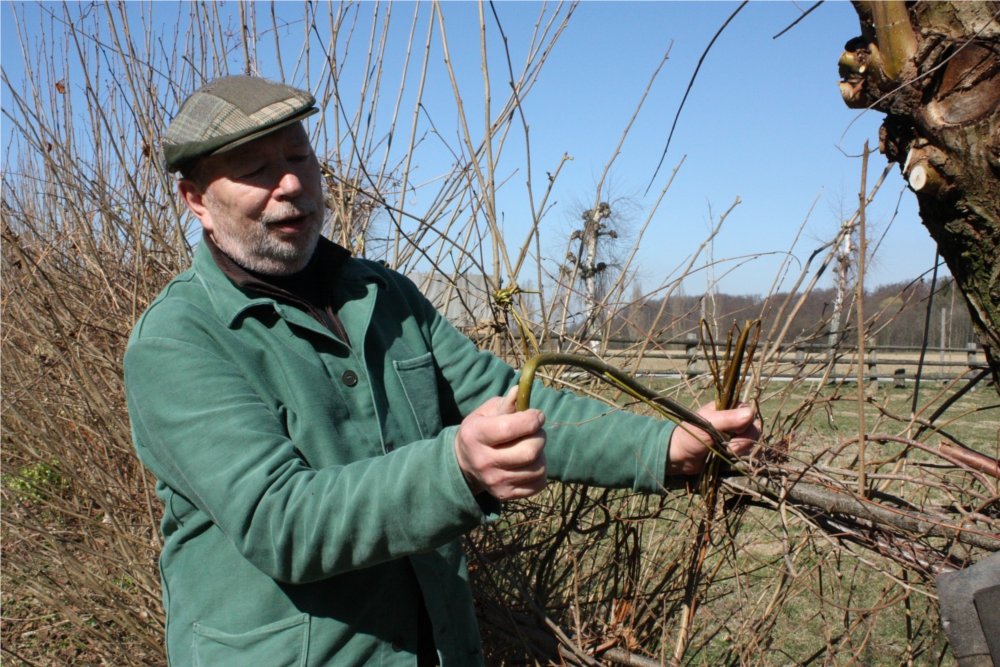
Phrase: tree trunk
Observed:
(934, 69)
(591, 267)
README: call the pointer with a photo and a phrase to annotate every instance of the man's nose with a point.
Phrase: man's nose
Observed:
(290, 183)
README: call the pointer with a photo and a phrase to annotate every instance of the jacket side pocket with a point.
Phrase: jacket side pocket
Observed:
(284, 643)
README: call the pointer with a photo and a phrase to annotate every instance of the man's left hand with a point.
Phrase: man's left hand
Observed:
(689, 445)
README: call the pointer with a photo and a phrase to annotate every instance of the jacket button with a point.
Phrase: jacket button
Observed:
(350, 378)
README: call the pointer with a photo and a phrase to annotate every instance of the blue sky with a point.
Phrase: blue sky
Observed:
(764, 122)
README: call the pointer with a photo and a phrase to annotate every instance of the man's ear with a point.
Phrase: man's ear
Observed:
(194, 198)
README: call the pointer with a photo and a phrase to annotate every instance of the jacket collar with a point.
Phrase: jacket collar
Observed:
(231, 301)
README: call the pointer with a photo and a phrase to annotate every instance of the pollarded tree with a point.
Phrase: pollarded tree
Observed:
(934, 69)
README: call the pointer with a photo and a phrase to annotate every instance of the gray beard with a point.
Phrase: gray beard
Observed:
(269, 255)
(259, 250)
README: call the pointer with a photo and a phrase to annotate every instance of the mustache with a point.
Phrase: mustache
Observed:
(292, 210)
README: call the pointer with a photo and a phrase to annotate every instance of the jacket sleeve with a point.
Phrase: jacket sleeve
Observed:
(214, 442)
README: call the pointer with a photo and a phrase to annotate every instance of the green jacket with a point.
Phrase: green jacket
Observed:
(305, 480)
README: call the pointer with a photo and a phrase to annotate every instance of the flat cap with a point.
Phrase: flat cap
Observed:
(230, 111)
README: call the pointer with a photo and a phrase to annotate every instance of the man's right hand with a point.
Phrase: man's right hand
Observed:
(502, 451)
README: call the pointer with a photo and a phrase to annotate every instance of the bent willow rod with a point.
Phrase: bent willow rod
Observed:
(667, 407)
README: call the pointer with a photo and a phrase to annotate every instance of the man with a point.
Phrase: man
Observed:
(321, 436)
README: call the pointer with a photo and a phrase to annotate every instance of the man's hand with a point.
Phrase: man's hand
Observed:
(502, 451)
(689, 444)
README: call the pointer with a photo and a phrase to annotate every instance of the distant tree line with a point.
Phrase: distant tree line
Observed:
(896, 315)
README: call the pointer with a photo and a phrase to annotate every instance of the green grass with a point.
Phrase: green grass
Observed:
(833, 410)
(34, 483)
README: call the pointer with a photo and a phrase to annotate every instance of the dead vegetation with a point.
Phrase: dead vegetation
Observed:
(802, 567)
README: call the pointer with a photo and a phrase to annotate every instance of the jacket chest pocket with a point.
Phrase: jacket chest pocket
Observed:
(418, 379)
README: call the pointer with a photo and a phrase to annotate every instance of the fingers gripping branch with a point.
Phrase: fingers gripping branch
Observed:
(501, 451)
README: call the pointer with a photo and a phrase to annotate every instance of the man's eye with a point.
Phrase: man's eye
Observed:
(251, 170)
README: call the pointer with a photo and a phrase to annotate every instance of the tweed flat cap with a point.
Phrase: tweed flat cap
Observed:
(230, 111)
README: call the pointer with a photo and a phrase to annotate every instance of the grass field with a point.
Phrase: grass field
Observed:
(778, 586)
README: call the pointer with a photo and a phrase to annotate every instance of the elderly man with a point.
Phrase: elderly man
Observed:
(321, 436)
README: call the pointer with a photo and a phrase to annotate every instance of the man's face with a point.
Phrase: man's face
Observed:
(262, 202)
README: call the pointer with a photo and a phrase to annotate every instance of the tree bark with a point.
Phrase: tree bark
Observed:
(934, 69)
